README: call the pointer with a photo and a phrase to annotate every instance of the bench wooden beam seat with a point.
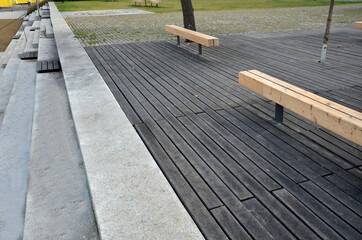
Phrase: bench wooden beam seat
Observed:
(358, 25)
(200, 38)
(335, 117)
(138, 1)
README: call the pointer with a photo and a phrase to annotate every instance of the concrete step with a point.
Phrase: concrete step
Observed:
(7, 80)
(49, 33)
(36, 25)
(18, 33)
(14, 51)
(36, 38)
(26, 35)
(25, 23)
(32, 17)
(58, 201)
(15, 138)
(8, 52)
(45, 22)
(48, 59)
(29, 43)
(47, 49)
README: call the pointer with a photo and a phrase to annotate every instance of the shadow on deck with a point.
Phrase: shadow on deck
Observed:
(239, 174)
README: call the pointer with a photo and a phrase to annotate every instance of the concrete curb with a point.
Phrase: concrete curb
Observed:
(131, 197)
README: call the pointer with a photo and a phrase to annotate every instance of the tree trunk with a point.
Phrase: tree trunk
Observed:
(326, 34)
(188, 13)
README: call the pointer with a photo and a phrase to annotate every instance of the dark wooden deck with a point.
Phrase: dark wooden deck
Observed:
(239, 174)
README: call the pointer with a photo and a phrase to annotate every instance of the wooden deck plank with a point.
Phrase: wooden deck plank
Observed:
(227, 172)
(182, 68)
(356, 172)
(191, 201)
(275, 228)
(327, 159)
(248, 160)
(154, 94)
(205, 193)
(229, 224)
(119, 95)
(323, 138)
(323, 230)
(262, 157)
(188, 82)
(352, 196)
(278, 146)
(131, 98)
(238, 173)
(228, 198)
(343, 212)
(158, 81)
(259, 190)
(145, 97)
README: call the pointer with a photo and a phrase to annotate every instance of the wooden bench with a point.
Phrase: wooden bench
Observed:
(200, 38)
(154, 2)
(335, 117)
(157, 2)
(358, 25)
(138, 1)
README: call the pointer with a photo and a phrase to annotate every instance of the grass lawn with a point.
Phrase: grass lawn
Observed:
(199, 5)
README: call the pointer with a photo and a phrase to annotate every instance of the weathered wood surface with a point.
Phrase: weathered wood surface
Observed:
(238, 173)
(203, 39)
(344, 121)
(358, 24)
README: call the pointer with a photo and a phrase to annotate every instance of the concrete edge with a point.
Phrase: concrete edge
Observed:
(131, 197)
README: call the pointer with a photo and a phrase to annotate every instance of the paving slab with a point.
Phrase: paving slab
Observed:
(131, 197)
(104, 13)
(12, 14)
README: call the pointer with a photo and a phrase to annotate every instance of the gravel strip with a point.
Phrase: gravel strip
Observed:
(100, 30)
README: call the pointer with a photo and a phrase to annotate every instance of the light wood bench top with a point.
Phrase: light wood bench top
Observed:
(138, 1)
(333, 116)
(194, 36)
(358, 25)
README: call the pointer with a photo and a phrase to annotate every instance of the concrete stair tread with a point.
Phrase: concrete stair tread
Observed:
(47, 49)
(29, 42)
(7, 80)
(15, 138)
(36, 38)
(36, 25)
(9, 50)
(49, 32)
(59, 196)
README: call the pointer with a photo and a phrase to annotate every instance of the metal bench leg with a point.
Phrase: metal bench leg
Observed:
(178, 40)
(200, 49)
(279, 110)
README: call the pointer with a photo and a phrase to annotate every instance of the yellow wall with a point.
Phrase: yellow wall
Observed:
(21, 1)
(6, 3)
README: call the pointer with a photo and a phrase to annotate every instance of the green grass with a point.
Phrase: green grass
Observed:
(199, 5)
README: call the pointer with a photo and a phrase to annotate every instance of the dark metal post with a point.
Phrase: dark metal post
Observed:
(279, 109)
(200, 49)
(178, 40)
